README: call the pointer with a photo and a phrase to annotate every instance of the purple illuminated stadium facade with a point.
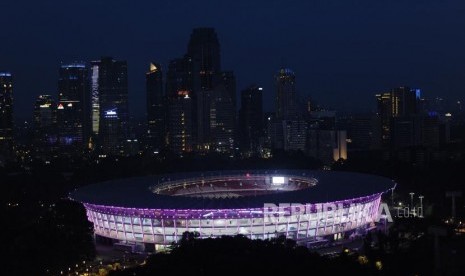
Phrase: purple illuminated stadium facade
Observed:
(152, 212)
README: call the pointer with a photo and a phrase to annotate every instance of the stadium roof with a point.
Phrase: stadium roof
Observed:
(136, 193)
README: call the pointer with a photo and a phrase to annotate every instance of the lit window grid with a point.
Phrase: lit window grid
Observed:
(166, 226)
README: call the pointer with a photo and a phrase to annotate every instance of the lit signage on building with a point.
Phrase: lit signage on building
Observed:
(110, 112)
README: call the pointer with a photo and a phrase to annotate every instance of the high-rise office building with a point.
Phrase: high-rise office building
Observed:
(327, 145)
(179, 77)
(251, 119)
(205, 66)
(95, 101)
(74, 104)
(6, 115)
(222, 119)
(269, 129)
(364, 132)
(289, 127)
(211, 94)
(111, 130)
(45, 124)
(113, 103)
(155, 107)
(295, 134)
(180, 124)
(228, 81)
(286, 98)
(405, 132)
(401, 102)
(180, 113)
(204, 50)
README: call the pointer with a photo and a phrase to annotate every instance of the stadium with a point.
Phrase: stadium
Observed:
(149, 213)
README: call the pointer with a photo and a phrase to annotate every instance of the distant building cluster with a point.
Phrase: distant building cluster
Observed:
(191, 108)
(406, 127)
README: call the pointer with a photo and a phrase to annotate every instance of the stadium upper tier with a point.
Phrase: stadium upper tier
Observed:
(232, 189)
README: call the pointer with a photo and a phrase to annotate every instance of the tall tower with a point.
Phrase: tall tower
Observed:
(179, 77)
(95, 100)
(223, 113)
(222, 120)
(397, 104)
(45, 120)
(155, 107)
(180, 106)
(113, 103)
(6, 114)
(251, 119)
(228, 80)
(204, 50)
(205, 66)
(286, 102)
(180, 124)
(74, 98)
(289, 131)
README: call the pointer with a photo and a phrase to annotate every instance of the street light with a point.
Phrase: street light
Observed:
(411, 200)
(421, 205)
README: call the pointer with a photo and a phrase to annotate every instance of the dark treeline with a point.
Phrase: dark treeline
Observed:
(394, 254)
(40, 237)
(241, 256)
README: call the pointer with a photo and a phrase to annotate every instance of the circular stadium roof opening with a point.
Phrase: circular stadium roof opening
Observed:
(233, 186)
(158, 209)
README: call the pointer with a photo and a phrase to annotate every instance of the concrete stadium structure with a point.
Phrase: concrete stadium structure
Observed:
(149, 213)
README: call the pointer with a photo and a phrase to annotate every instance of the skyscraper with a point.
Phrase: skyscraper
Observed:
(196, 82)
(6, 114)
(155, 107)
(294, 134)
(228, 81)
(113, 103)
(110, 132)
(290, 127)
(251, 119)
(286, 99)
(45, 124)
(74, 109)
(180, 110)
(95, 101)
(327, 145)
(205, 66)
(364, 131)
(204, 50)
(222, 119)
(400, 103)
(180, 124)
(178, 77)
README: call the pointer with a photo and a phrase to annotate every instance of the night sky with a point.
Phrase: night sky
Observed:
(343, 51)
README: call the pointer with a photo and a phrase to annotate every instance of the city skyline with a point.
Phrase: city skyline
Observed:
(185, 137)
(331, 50)
(195, 111)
